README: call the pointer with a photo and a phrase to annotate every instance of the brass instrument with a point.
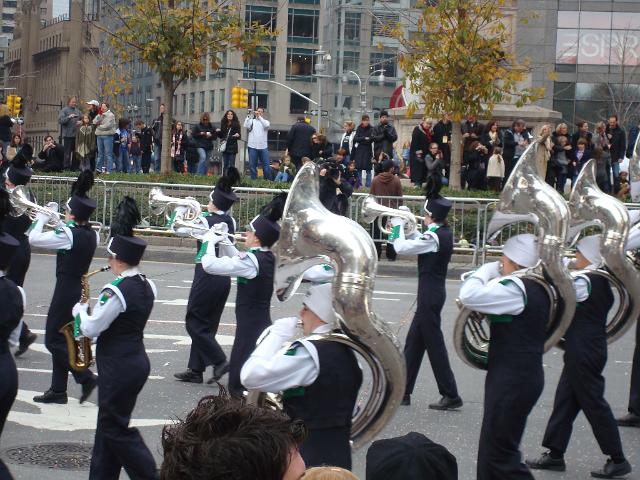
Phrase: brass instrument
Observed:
(527, 196)
(160, 203)
(372, 210)
(79, 346)
(634, 172)
(198, 231)
(309, 234)
(19, 198)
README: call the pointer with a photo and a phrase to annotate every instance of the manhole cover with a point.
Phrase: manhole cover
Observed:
(63, 456)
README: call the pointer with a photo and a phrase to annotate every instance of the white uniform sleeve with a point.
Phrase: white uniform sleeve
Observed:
(499, 296)
(107, 309)
(242, 265)
(425, 243)
(59, 239)
(272, 368)
(633, 241)
(582, 286)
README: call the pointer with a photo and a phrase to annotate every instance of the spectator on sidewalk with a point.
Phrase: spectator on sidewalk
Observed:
(124, 144)
(617, 149)
(51, 157)
(257, 142)
(421, 138)
(363, 149)
(582, 132)
(514, 142)
(105, 123)
(346, 141)
(69, 118)
(633, 137)
(146, 145)
(495, 170)
(442, 136)
(331, 181)
(491, 137)
(385, 185)
(135, 152)
(6, 124)
(157, 140)
(85, 150)
(204, 133)
(384, 136)
(14, 147)
(94, 106)
(320, 148)
(471, 131)
(603, 167)
(287, 170)
(178, 140)
(229, 132)
(353, 176)
(299, 141)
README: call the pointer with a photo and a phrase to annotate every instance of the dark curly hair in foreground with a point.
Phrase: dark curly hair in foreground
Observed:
(222, 438)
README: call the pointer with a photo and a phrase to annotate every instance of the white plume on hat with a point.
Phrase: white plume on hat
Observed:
(522, 249)
(589, 247)
(319, 300)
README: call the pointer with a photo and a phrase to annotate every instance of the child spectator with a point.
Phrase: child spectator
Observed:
(287, 170)
(623, 193)
(135, 151)
(495, 170)
(351, 175)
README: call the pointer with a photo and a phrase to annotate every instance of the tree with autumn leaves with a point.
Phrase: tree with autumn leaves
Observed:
(458, 60)
(176, 39)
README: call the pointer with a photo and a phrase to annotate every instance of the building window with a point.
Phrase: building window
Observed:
(183, 110)
(277, 140)
(297, 104)
(222, 99)
(382, 22)
(265, 16)
(201, 102)
(218, 72)
(303, 25)
(299, 64)
(8, 16)
(10, 4)
(192, 103)
(380, 103)
(262, 100)
(352, 27)
(7, 29)
(212, 101)
(263, 62)
(308, 2)
(386, 61)
(350, 61)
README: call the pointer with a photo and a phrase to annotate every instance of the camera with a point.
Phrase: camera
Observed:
(333, 168)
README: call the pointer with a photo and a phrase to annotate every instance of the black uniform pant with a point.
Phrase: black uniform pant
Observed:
(425, 334)
(8, 392)
(251, 320)
(634, 396)
(327, 446)
(17, 271)
(65, 295)
(120, 380)
(581, 387)
(206, 303)
(512, 387)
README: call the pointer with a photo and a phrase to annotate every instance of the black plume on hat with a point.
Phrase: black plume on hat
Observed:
(433, 186)
(273, 210)
(5, 206)
(83, 184)
(127, 217)
(232, 177)
(24, 155)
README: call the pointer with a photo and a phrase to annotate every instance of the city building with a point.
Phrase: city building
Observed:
(49, 61)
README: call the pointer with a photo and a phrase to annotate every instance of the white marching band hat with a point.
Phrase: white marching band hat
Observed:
(589, 247)
(523, 250)
(319, 300)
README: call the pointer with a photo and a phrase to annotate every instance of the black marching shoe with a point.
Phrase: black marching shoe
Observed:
(613, 470)
(52, 397)
(189, 376)
(446, 403)
(87, 388)
(218, 372)
(406, 399)
(547, 462)
(25, 343)
(629, 420)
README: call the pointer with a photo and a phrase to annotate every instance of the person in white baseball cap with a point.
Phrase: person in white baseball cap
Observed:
(319, 379)
(518, 310)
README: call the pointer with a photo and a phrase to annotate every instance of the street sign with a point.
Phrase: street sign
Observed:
(325, 113)
(313, 113)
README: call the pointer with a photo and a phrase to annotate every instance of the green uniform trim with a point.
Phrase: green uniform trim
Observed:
(201, 253)
(76, 326)
(291, 351)
(500, 318)
(434, 228)
(293, 392)
(172, 219)
(507, 281)
(395, 233)
(242, 280)
(327, 267)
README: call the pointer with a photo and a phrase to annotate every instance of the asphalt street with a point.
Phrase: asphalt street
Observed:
(164, 399)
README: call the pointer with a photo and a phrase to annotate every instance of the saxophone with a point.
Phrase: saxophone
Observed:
(79, 346)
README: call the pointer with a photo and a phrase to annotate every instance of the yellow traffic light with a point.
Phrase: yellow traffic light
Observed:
(10, 103)
(17, 105)
(236, 96)
(244, 98)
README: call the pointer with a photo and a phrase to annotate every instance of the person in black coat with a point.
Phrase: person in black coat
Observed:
(617, 148)
(514, 140)
(51, 156)
(204, 134)
(331, 178)
(299, 141)
(146, 144)
(229, 132)
(13, 305)
(320, 148)
(384, 136)
(363, 149)
(442, 136)
(582, 132)
(421, 138)
(581, 385)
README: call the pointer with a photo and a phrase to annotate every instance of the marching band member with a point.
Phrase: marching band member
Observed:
(632, 418)
(13, 304)
(209, 293)
(434, 248)
(76, 243)
(19, 173)
(581, 385)
(319, 379)
(255, 270)
(518, 310)
(118, 321)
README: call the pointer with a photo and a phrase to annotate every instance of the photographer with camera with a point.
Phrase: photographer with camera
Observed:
(51, 156)
(257, 128)
(335, 190)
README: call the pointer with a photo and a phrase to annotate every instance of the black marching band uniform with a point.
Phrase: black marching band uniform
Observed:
(76, 243)
(319, 380)
(209, 293)
(581, 385)
(518, 310)
(434, 249)
(255, 275)
(13, 303)
(19, 173)
(118, 321)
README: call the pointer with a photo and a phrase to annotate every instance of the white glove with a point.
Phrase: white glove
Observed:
(53, 206)
(395, 221)
(285, 327)
(79, 308)
(42, 217)
(488, 271)
(212, 237)
(221, 228)
(180, 211)
(404, 208)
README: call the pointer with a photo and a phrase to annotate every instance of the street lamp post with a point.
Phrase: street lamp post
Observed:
(133, 108)
(322, 58)
(363, 92)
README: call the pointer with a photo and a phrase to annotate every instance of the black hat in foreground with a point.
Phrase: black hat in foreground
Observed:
(265, 225)
(222, 196)
(410, 456)
(128, 249)
(19, 171)
(80, 205)
(436, 207)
